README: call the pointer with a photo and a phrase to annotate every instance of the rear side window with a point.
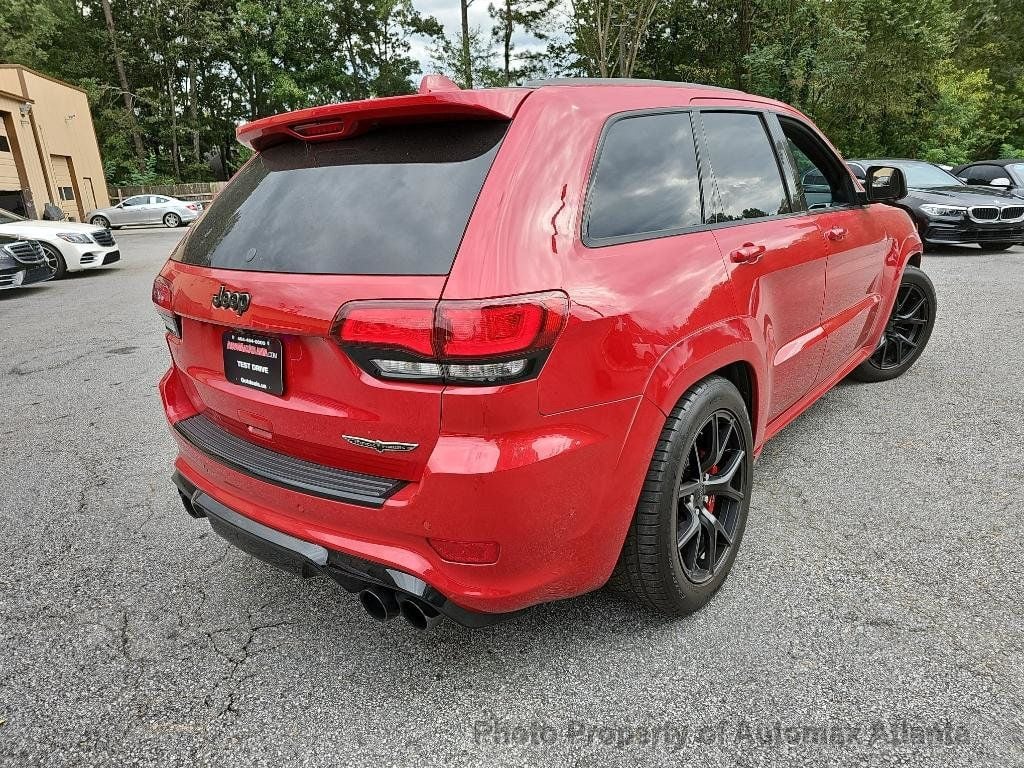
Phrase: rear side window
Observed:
(746, 170)
(645, 182)
(394, 201)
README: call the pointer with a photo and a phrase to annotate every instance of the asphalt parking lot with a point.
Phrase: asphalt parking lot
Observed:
(877, 593)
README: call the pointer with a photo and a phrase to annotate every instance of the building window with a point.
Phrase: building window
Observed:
(66, 193)
(5, 144)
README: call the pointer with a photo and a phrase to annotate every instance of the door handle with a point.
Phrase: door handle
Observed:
(747, 253)
(836, 233)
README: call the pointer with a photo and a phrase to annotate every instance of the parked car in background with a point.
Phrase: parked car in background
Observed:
(22, 262)
(1002, 174)
(946, 210)
(504, 346)
(145, 209)
(67, 245)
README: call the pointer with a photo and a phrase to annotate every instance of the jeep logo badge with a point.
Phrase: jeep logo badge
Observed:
(236, 300)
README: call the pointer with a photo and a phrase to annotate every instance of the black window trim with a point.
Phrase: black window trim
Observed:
(601, 242)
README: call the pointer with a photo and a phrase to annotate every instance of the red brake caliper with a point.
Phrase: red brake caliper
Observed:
(711, 499)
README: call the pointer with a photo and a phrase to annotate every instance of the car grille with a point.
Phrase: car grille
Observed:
(287, 471)
(1012, 213)
(1003, 235)
(103, 237)
(984, 213)
(27, 252)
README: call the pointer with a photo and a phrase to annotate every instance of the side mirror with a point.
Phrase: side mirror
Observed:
(884, 184)
(119, 205)
(1002, 181)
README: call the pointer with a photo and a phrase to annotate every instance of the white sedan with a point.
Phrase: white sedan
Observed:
(69, 246)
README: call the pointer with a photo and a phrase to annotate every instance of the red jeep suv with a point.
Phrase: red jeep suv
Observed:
(469, 351)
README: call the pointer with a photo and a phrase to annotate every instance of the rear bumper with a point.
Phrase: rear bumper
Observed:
(306, 559)
(556, 500)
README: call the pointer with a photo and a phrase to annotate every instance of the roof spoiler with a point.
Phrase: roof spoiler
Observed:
(438, 99)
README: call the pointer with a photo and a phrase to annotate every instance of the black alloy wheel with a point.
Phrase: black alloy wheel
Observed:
(710, 497)
(906, 332)
(902, 335)
(693, 505)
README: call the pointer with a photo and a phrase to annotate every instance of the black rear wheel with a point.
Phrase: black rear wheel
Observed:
(693, 507)
(907, 331)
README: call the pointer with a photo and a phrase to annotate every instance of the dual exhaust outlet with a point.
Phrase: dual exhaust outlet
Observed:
(384, 605)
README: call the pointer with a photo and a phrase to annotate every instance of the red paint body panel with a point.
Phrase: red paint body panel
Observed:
(549, 468)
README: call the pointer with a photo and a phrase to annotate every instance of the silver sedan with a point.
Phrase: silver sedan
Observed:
(145, 209)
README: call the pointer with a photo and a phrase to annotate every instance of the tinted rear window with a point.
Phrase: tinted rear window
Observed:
(646, 180)
(394, 201)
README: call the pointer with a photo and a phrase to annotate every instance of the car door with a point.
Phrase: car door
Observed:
(149, 213)
(775, 258)
(159, 205)
(131, 210)
(856, 242)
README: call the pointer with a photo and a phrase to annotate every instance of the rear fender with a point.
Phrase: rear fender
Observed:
(705, 352)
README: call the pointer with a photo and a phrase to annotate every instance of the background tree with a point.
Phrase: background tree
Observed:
(170, 80)
(533, 18)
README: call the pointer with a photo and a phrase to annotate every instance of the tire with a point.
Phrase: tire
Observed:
(172, 220)
(996, 246)
(100, 221)
(907, 332)
(55, 261)
(654, 569)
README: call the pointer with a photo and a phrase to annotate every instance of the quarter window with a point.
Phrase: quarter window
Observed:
(646, 180)
(746, 170)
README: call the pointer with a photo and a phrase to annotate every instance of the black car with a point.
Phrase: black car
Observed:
(1002, 174)
(22, 262)
(946, 210)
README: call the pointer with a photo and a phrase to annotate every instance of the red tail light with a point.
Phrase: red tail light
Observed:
(162, 298)
(481, 341)
(192, 207)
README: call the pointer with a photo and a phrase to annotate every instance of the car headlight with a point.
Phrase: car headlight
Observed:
(74, 237)
(943, 210)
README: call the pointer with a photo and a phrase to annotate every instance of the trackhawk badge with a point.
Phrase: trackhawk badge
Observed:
(236, 300)
(381, 446)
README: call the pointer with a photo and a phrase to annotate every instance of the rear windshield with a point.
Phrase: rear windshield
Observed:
(394, 201)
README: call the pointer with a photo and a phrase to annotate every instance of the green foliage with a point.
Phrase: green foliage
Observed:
(938, 79)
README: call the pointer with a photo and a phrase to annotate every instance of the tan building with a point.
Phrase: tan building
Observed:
(48, 148)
